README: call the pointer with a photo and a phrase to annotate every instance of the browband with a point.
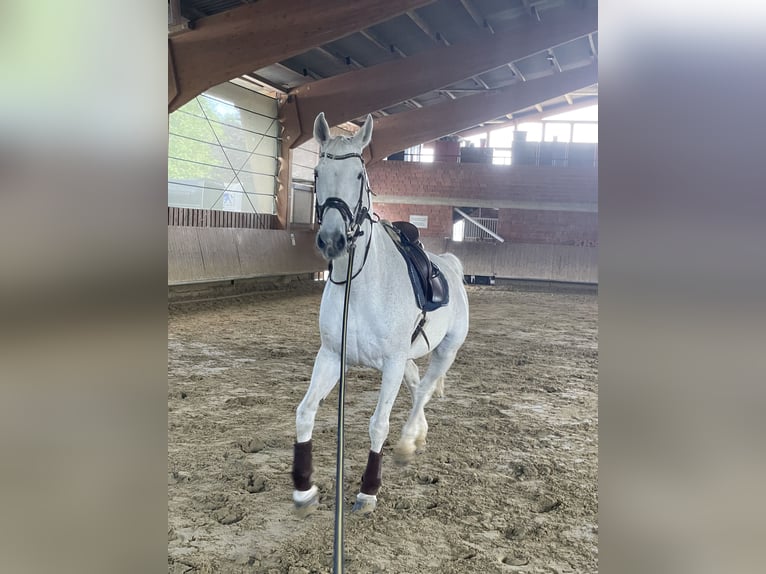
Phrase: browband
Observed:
(344, 156)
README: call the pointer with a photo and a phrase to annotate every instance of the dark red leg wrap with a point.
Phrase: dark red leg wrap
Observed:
(302, 468)
(373, 474)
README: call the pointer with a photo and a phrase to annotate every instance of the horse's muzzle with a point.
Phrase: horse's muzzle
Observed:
(331, 244)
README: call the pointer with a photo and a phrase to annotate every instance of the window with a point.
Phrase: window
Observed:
(222, 151)
(585, 133)
(556, 132)
(534, 131)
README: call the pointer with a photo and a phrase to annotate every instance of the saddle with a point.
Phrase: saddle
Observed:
(428, 282)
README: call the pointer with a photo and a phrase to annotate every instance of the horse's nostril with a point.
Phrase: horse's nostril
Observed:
(331, 244)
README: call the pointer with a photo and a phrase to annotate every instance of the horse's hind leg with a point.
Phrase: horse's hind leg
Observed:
(415, 429)
(323, 379)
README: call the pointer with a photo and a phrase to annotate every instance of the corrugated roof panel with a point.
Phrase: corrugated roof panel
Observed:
(431, 98)
(573, 54)
(404, 33)
(535, 66)
(398, 108)
(316, 62)
(498, 76)
(212, 6)
(360, 49)
(282, 77)
(449, 18)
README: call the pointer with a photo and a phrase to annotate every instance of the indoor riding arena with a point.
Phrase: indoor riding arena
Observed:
(485, 139)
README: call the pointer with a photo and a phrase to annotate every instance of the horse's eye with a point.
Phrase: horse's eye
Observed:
(359, 176)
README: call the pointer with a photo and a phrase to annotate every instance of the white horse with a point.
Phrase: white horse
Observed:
(383, 316)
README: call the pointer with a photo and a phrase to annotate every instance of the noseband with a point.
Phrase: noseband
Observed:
(353, 220)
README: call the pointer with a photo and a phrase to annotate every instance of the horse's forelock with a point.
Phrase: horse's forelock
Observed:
(340, 145)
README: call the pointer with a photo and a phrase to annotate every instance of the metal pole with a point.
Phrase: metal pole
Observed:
(338, 566)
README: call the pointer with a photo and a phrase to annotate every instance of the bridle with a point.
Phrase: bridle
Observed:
(353, 220)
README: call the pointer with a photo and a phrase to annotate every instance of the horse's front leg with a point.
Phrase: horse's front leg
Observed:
(393, 371)
(323, 379)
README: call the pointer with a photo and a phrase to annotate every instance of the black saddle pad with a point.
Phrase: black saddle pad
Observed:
(428, 282)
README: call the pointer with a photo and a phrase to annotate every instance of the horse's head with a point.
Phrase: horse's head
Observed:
(342, 198)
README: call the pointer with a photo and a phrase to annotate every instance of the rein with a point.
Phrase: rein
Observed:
(353, 221)
(338, 543)
(350, 262)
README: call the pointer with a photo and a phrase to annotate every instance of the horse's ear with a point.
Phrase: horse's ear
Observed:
(321, 129)
(364, 135)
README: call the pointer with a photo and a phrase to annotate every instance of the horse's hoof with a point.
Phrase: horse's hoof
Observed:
(365, 503)
(305, 501)
(403, 454)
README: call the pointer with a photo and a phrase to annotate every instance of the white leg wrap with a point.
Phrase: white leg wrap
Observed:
(365, 503)
(301, 497)
(366, 498)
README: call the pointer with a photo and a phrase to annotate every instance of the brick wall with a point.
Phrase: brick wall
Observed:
(543, 191)
(522, 182)
(439, 216)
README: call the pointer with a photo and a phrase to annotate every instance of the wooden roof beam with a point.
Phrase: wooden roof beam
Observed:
(355, 93)
(406, 129)
(253, 36)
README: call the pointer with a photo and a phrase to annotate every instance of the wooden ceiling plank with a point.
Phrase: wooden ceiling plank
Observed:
(252, 36)
(355, 93)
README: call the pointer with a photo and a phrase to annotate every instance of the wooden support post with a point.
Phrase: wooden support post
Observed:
(290, 128)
